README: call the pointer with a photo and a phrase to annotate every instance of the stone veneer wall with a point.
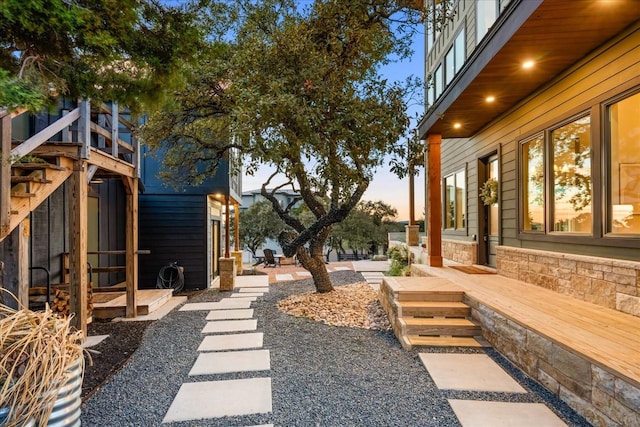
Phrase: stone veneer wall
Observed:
(608, 282)
(599, 396)
(460, 251)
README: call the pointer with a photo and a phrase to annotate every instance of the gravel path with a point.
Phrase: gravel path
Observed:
(321, 375)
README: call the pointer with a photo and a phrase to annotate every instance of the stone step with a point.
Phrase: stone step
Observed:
(439, 326)
(433, 309)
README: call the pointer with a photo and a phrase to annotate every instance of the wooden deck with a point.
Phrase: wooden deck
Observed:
(108, 305)
(606, 337)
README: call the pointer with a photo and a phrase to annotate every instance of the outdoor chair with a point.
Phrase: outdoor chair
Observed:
(269, 259)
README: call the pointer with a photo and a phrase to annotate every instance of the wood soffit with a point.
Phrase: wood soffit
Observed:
(556, 35)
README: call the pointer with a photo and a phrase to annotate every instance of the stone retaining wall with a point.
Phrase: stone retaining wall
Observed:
(460, 251)
(607, 282)
(596, 394)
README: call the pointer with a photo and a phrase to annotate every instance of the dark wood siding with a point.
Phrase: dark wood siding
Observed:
(173, 227)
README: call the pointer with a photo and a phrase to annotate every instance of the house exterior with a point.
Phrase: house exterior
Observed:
(532, 148)
(68, 202)
(186, 225)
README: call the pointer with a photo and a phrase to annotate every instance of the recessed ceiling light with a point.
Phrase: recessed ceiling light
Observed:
(457, 125)
(490, 98)
(527, 64)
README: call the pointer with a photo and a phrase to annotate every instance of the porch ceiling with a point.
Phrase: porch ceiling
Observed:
(555, 34)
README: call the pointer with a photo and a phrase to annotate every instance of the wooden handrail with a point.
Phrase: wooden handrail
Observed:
(43, 136)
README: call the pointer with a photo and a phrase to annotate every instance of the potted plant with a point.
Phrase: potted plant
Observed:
(41, 367)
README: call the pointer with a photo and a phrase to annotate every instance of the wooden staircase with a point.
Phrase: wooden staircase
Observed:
(32, 184)
(429, 311)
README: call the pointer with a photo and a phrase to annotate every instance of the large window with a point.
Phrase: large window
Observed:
(455, 201)
(623, 128)
(567, 149)
(571, 148)
(533, 184)
(455, 57)
(486, 14)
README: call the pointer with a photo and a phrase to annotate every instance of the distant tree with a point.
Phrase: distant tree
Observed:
(124, 50)
(257, 224)
(298, 90)
(365, 228)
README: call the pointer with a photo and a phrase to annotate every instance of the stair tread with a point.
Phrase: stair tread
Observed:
(415, 340)
(28, 178)
(22, 194)
(411, 304)
(37, 166)
(431, 321)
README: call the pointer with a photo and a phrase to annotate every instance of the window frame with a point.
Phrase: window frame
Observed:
(600, 143)
(463, 229)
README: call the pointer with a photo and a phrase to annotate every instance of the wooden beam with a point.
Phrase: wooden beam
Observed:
(111, 164)
(44, 135)
(5, 174)
(78, 245)
(434, 202)
(132, 249)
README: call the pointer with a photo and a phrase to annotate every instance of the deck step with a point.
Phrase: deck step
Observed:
(28, 178)
(417, 341)
(22, 194)
(452, 296)
(433, 309)
(440, 326)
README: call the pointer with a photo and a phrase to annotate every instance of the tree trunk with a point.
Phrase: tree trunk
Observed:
(312, 259)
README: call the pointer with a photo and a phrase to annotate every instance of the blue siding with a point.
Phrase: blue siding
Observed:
(174, 228)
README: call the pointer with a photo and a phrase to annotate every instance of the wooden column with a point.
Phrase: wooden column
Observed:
(236, 215)
(227, 228)
(78, 245)
(84, 128)
(434, 203)
(5, 173)
(14, 271)
(131, 186)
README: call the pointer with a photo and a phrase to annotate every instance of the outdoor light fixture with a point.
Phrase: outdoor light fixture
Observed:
(457, 125)
(528, 64)
(490, 98)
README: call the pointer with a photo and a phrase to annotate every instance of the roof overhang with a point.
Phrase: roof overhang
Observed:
(555, 34)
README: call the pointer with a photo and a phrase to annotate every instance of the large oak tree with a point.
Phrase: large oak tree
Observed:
(297, 89)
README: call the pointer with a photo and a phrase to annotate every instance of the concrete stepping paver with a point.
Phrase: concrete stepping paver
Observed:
(214, 399)
(477, 413)
(468, 372)
(340, 268)
(283, 277)
(231, 361)
(225, 303)
(232, 342)
(253, 295)
(242, 290)
(244, 313)
(230, 326)
(303, 273)
(252, 281)
(93, 340)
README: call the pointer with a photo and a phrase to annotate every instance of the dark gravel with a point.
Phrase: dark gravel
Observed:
(321, 375)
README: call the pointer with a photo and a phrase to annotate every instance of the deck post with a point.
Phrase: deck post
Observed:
(78, 234)
(131, 184)
(434, 202)
(5, 173)
(84, 128)
(115, 125)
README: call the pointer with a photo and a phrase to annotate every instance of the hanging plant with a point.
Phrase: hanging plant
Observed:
(489, 192)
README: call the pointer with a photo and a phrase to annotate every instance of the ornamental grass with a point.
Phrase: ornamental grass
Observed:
(36, 350)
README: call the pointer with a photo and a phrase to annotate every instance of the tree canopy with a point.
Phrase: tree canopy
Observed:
(298, 89)
(118, 50)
